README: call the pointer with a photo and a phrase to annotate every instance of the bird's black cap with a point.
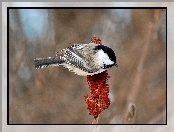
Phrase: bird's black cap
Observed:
(108, 51)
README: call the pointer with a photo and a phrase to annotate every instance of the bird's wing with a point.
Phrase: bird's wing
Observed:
(75, 58)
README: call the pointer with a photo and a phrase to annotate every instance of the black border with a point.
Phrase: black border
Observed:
(166, 65)
(86, 8)
(75, 8)
(8, 105)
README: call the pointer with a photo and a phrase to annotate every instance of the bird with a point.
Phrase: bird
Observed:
(82, 59)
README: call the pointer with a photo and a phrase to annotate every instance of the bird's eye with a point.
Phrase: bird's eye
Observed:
(104, 66)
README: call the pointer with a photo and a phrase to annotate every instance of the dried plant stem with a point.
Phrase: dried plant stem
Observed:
(97, 127)
(95, 121)
(129, 114)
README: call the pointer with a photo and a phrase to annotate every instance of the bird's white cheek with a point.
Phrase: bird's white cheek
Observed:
(103, 58)
(108, 62)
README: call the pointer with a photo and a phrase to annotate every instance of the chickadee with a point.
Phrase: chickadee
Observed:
(83, 59)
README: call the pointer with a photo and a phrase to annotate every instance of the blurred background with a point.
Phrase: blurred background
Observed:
(54, 95)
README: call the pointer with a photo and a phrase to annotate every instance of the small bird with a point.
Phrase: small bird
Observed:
(82, 59)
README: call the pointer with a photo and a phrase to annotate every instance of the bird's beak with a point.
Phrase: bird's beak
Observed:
(116, 65)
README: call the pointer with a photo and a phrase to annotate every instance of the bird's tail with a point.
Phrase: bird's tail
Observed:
(49, 61)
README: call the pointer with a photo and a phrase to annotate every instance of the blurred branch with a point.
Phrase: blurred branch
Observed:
(129, 115)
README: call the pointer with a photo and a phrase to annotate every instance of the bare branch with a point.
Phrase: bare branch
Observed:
(152, 28)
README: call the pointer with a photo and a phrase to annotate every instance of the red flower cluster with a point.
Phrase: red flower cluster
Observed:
(96, 40)
(99, 90)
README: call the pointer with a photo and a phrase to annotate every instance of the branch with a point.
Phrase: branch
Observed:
(152, 29)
